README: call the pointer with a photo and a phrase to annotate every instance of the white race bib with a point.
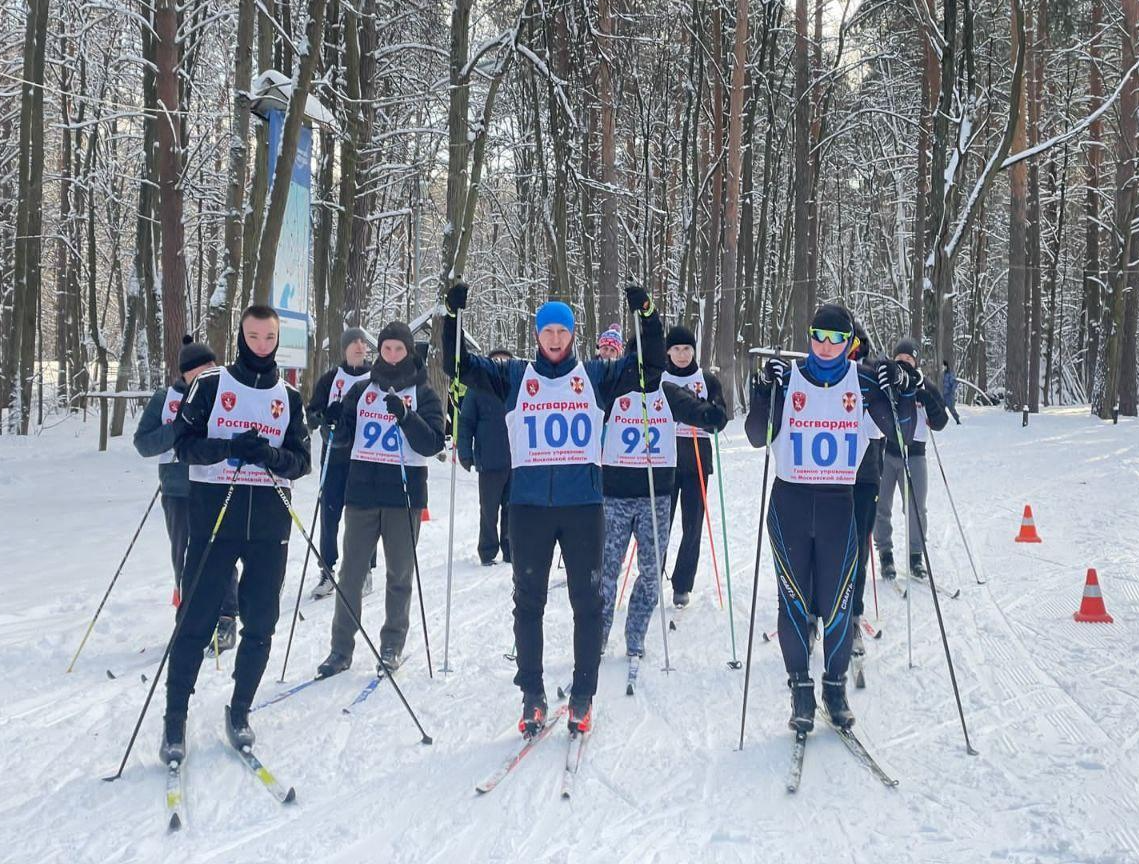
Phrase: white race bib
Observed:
(699, 387)
(237, 409)
(169, 414)
(921, 425)
(556, 421)
(341, 383)
(378, 436)
(823, 436)
(625, 433)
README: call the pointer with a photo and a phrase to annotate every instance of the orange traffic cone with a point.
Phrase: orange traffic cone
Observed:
(1091, 607)
(1027, 528)
(426, 516)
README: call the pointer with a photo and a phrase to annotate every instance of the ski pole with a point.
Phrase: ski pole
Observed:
(326, 455)
(179, 617)
(906, 504)
(454, 470)
(414, 542)
(758, 553)
(873, 575)
(734, 663)
(707, 516)
(652, 490)
(340, 594)
(628, 570)
(115, 578)
(960, 528)
(929, 570)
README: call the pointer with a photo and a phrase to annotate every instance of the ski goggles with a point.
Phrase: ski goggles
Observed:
(835, 337)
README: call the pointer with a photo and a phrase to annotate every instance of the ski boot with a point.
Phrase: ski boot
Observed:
(237, 728)
(173, 747)
(580, 714)
(227, 633)
(857, 646)
(391, 659)
(333, 664)
(323, 587)
(917, 567)
(886, 562)
(834, 700)
(534, 711)
(802, 702)
(680, 599)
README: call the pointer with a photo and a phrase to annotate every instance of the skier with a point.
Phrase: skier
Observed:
(865, 492)
(819, 439)
(390, 425)
(626, 487)
(485, 445)
(324, 411)
(611, 343)
(155, 437)
(693, 459)
(555, 409)
(930, 414)
(243, 416)
(949, 390)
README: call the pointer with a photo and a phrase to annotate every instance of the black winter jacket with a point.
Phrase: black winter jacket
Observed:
(152, 438)
(686, 453)
(325, 416)
(483, 438)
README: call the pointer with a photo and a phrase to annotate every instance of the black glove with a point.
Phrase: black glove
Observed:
(774, 370)
(466, 463)
(890, 374)
(333, 413)
(264, 455)
(914, 377)
(638, 299)
(457, 297)
(396, 406)
(715, 418)
(246, 445)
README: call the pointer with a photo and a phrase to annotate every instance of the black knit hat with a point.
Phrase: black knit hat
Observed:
(351, 335)
(680, 336)
(194, 354)
(399, 331)
(906, 346)
(833, 316)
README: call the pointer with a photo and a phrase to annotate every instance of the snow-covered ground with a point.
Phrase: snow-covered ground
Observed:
(1051, 704)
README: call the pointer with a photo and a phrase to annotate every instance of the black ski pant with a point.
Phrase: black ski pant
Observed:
(258, 597)
(865, 508)
(815, 549)
(494, 510)
(687, 491)
(580, 531)
(177, 513)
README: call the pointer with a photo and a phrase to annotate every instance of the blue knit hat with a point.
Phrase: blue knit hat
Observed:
(553, 312)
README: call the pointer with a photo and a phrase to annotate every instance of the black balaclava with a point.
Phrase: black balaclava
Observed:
(246, 357)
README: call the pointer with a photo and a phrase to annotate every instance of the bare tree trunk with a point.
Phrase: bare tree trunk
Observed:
(364, 196)
(287, 155)
(1016, 335)
(609, 244)
(1093, 271)
(1036, 47)
(800, 293)
(930, 84)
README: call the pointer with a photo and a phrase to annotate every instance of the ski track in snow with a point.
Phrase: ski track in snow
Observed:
(1050, 703)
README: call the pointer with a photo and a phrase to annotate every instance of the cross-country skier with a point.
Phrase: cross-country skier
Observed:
(931, 414)
(692, 470)
(818, 441)
(556, 407)
(390, 424)
(324, 411)
(949, 390)
(626, 485)
(865, 492)
(611, 343)
(485, 446)
(243, 416)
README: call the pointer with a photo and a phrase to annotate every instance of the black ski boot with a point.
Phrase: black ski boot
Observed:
(173, 748)
(886, 561)
(802, 702)
(917, 567)
(580, 713)
(237, 727)
(333, 664)
(534, 710)
(834, 700)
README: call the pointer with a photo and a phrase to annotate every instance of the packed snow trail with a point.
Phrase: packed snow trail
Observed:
(1051, 704)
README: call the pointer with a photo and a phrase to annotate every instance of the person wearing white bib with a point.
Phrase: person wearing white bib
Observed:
(818, 441)
(694, 462)
(324, 412)
(625, 459)
(556, 407)
(930, 414)
(236, 424)
(390, 421)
